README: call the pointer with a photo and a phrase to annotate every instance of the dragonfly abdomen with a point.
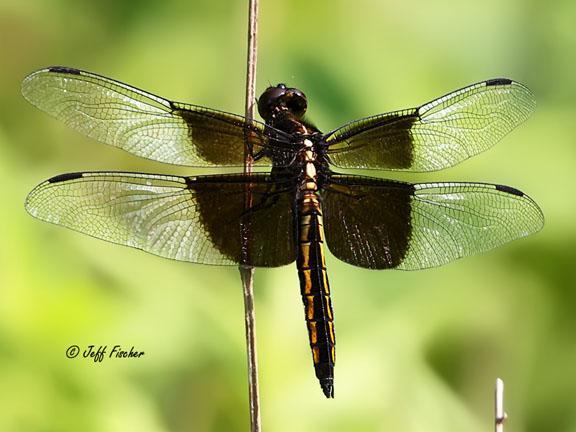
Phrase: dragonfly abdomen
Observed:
(315, 289)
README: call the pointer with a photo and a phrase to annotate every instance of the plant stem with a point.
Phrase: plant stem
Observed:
(499, 413)
(247, 272)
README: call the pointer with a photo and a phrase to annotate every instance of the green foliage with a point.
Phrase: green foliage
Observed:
(417, 352)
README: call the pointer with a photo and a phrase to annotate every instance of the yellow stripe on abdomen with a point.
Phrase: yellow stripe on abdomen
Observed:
(315, 289)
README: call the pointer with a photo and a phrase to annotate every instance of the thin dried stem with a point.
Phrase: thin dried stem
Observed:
(246, 272)
(499, 413)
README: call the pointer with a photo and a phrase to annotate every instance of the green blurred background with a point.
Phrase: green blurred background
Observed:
(417, 352)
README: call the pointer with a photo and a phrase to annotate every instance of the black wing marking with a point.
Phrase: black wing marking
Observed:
(436, 135)
(383, 224)
(142, 123)
(194, 219)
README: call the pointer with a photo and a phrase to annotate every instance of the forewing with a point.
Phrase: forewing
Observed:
(194, 219)
(383, 224)
(142, 123)
(437, 135)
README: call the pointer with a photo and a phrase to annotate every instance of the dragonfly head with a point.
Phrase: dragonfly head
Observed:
(281, 98)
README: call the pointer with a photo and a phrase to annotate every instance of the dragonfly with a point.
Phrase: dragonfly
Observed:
(300, 204)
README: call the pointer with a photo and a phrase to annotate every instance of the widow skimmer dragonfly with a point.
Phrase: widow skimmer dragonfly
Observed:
(301, 203)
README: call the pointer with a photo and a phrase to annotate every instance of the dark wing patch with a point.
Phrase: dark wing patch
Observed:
(194, 219)
(383, 224)
(64, 177)
(367, 220)
(64, 70)
(498, 81)
(509, 189)
(436, 135)
(383, 141)
(270, 233)
(142, 123)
